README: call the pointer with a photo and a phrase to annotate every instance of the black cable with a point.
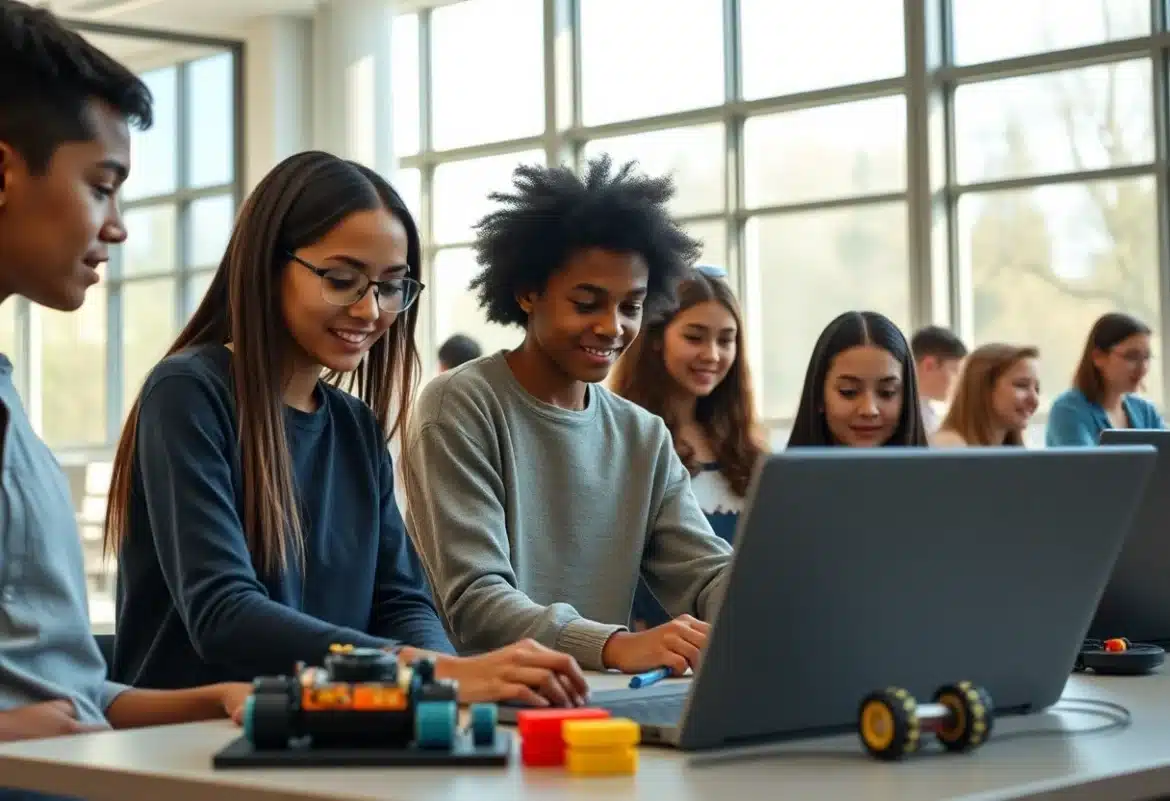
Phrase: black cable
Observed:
(1116, 717)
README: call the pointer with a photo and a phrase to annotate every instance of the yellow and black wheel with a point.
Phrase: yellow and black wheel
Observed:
(888, 723)
(970, 719)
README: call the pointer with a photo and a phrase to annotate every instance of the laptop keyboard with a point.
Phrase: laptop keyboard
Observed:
(646, 708)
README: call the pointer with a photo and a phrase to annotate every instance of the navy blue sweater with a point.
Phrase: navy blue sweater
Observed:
(192, 608)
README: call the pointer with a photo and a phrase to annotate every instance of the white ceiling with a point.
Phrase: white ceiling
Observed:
(208, 17)
(142, 55)
(224, 19)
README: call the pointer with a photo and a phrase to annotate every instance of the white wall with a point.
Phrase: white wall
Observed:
(278, 98)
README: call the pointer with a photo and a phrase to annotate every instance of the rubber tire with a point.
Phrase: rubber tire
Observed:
(435, 724)
(269, 721)
(978, 715)
(903, 713)
(484, 718)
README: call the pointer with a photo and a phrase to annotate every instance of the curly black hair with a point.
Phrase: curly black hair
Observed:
(50, 72)
(553, 213)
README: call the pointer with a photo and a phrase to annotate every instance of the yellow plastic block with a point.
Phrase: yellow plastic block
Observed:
(618, 761)
(606, 733)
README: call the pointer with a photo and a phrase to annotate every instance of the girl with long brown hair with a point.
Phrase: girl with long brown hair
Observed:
(252, 504)
(689, 367)
(997, 393)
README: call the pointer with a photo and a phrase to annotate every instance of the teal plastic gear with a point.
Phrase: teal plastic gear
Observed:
(434, 724)
(249, 718)
(484, 718)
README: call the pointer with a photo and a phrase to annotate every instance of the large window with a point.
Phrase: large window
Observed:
(991, 167)
(494, 88)
(1057, 209)
(650, 57)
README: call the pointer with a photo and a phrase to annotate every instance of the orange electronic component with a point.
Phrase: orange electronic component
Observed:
(1116, 645)
(381, 697)
(327, 696)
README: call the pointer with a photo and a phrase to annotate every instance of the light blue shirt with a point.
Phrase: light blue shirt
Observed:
(1075, 420)
(47, 651)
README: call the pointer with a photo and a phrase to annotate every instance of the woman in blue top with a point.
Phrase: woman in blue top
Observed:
(690, 367)
(1114, 363)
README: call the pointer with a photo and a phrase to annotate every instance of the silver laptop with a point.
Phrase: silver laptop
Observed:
(859, 569)
(1136, 603)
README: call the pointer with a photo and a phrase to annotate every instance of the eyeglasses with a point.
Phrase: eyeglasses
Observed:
(1135, 357)
(711, 270)
(345, 286)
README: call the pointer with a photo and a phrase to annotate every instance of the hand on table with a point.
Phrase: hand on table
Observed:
(525, 672)
(231, 697)
(48, 719)
(676, 645)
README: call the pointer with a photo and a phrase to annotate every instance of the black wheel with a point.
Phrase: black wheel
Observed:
(971, 712)
(272, 708)
(274, 684)
(888, 723)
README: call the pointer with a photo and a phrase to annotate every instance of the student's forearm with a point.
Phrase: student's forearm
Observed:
(136, 708)
(256, 635)
(493, 617)
(686, 563)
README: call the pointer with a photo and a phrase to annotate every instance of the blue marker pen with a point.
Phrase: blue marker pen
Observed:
(648, 678)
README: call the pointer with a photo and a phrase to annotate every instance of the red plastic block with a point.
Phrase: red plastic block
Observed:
(541, 753)
(545, 724)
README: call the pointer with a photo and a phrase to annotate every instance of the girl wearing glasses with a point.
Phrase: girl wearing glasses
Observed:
(252, 506)
(689, 367)
(1113, 366)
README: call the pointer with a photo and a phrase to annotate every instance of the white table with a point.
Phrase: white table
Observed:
(174, 764)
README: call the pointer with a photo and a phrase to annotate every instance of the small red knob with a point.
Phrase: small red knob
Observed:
(1116, 645)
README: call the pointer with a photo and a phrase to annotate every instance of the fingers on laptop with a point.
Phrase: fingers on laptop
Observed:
(553, 674)
(684, 638)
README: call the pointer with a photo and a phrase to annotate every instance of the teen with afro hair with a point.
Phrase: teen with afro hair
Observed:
(537, 497)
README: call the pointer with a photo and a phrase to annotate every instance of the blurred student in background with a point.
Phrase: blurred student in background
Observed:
(1114, 364)
(689, 367)
(938, 354)
(997, 393)
(861, 388)
(458, 349)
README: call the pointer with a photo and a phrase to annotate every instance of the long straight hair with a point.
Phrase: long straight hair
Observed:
(1110, 330)
(850, 330)
(295, 205)
(970, 414)
(727, 416)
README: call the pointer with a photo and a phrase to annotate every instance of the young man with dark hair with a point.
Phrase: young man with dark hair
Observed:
(536, 496)
(458, 349)
(938, 355)
(65, 112)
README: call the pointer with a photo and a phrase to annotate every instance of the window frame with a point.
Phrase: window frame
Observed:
(939, 293)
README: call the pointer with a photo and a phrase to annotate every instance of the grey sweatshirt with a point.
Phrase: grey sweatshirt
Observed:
(536, 521)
